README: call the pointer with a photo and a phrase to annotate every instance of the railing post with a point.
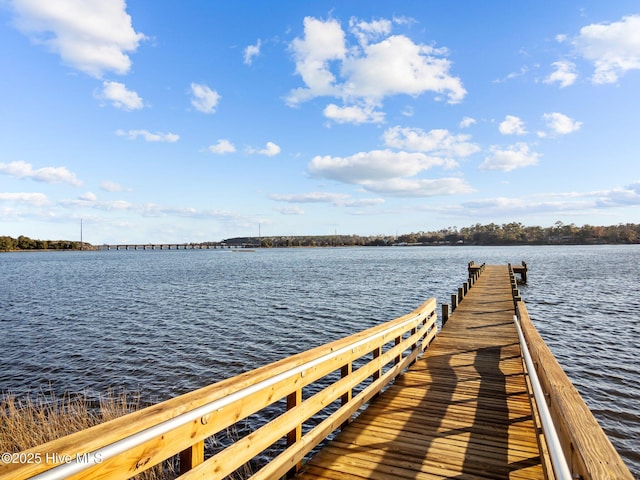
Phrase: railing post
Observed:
(396, 360)
(191, 457)
(516, 298)
(414, 330)
(445, 313)
(378, 373)
(294, 399)
(345, 371)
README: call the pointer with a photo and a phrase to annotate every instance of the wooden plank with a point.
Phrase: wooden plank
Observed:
(462, 411)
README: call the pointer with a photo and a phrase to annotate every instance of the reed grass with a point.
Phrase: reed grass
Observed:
(34, 419)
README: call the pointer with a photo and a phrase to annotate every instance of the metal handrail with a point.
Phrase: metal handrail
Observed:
(558, 461)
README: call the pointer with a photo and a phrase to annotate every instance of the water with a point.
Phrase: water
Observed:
(167, 322)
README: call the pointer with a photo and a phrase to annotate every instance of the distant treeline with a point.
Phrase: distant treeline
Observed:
(513, 233)
(26, 243)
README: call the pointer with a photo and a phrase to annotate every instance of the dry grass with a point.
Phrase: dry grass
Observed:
(36, 419)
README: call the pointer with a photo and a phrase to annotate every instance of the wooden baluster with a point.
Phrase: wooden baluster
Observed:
(378, 373)
(191, 457)
(294, 399)
(345, 371)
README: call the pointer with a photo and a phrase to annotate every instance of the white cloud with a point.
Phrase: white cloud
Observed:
(403, 187)
(108, 186)
(88, 197)
(311, 197)
(148, 136)
(364, 202)
(337, 199)
(408, 111)
(353, 114)
(467, 122)
(120, 97)
(370, 166)
(512, 125)
(33, 199)
(620, 196)
(613, 48)
(560, 124)
(365, 32)
(116, 205)
(584, 203)
(93, 36)
(438, 141)
(396, 66)
(293, 210)
(514, 156)
(22, 169)
(204, 99)
(323, 42)
(564, 74)
(251, 52)
(367, 72)
(270, 150)
(223, 146)
(523, 71)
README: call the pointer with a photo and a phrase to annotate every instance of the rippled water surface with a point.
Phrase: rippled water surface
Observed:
(166, 322)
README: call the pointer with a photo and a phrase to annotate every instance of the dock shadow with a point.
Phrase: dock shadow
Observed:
(433, 426)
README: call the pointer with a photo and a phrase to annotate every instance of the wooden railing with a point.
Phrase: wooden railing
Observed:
(587, 449)
(332, 381)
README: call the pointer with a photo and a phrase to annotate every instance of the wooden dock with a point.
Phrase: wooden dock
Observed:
(462, 411)
(411, 403)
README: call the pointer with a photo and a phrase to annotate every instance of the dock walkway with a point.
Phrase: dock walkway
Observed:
(462, 411)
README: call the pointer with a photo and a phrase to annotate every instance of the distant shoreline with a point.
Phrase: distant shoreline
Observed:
(508, 234)
(253, 248)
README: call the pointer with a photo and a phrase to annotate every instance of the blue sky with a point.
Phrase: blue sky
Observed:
(165, 121)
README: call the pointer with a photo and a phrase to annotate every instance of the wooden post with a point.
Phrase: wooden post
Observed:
(378, 373)
(516, 299)
(293, 399)
(345, 371)
(445, 313)
(454, 302)
(460, 293)
(191, 457)
(465, 287)
(414, 330)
